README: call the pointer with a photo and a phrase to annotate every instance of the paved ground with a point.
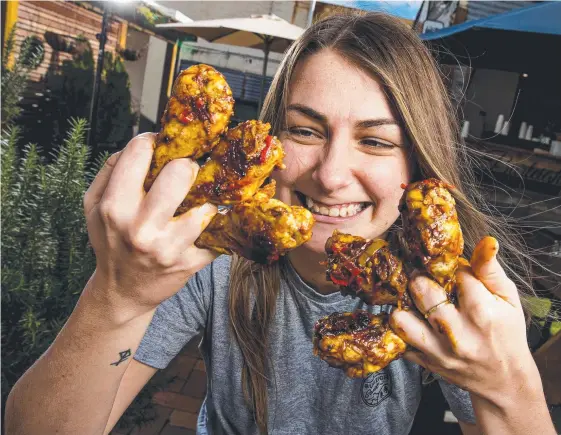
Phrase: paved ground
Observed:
(177, 406)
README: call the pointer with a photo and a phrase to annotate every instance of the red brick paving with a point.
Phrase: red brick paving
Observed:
(177, 401)
(196, 385)
(178, 404)
(183, 419)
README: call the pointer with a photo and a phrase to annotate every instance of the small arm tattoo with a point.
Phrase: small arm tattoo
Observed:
(124, 355)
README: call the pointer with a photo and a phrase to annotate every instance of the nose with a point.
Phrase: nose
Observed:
(333, 171)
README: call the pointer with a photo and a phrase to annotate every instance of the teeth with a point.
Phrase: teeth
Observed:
(343, 211)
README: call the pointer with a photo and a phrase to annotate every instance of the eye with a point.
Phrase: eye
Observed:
(305, 135)
(302, 132)
(377, 144)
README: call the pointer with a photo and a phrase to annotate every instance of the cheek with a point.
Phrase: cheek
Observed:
(383, 180)
(298, 160)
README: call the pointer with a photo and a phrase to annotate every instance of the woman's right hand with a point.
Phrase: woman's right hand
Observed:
(144, 254)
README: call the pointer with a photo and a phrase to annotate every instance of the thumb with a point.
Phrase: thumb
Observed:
(488, 270)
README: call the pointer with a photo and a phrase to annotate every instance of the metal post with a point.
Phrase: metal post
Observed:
(267, 40)
(311, 13)
(97, 78)
(418, 16)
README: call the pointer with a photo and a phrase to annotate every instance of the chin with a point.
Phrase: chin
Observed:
(320, 234)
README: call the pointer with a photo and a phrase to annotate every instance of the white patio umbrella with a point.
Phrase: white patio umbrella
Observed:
(266, 32)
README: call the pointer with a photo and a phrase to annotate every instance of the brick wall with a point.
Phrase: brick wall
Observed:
(64, 18)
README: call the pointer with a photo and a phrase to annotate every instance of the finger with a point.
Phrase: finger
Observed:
(194, 222)
(432, 301)
(476, 302)
(126, 186)
(488, 270)
(425, 292)
(469, 290)
(436, 370)
(99, 184)
(168, 191)
(417, 333)
(418, 358)
(203, 257)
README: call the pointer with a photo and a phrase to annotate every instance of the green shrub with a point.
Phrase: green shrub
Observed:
(46, 258)
(15, 74)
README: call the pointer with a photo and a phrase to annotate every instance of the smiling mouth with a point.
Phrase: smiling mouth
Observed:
(338, 210)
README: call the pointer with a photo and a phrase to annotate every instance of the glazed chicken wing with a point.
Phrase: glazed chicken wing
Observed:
(237, 166)
(260, 229)
(257, 227)
(359, 343)
(197, 113)
(432, 235)
(366, 269)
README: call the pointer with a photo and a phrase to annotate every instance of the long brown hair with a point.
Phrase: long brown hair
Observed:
(388, 50)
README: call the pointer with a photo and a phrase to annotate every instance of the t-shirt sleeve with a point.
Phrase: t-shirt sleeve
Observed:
(459, 401)
(176, 321)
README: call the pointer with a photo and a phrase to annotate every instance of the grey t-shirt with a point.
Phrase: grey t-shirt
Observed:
(306, 395)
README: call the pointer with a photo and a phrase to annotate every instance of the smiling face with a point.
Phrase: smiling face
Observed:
(346, 155)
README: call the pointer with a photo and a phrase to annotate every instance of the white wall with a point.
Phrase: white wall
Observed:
(137, 41)
(226, 56)
(155, 60)
(490, 91)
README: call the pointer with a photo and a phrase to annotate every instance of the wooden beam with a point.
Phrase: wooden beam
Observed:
(122, 38)
(9, 23)
(172, 69)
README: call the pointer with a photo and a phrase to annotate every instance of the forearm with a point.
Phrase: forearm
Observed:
(524, 413)
(71, 388)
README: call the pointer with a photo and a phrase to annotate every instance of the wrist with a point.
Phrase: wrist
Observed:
(105, 299)
(523, 392)
(522, 410)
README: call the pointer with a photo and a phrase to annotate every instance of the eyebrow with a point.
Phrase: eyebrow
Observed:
(308, 111)
(376, 122)
(367, 123)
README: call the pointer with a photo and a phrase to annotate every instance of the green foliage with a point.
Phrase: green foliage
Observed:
(70, 93)
(150, 17)
(115, 119)
(15, 74)
(46, 259)
(32, 52)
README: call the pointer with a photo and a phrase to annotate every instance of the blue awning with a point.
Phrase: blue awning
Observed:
(523, 40)
(542, 18)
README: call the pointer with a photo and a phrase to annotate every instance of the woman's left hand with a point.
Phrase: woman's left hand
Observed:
(479, 344)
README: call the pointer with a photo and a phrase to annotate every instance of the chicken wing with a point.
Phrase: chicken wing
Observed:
(260, 229)
(197, 113)
(432, 235)
(366, 269)
(359, 342)
(237, 166)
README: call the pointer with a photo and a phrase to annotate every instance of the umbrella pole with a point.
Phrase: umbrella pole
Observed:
(265, 62)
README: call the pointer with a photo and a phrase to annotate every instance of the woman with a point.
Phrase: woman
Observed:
(360, 109)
